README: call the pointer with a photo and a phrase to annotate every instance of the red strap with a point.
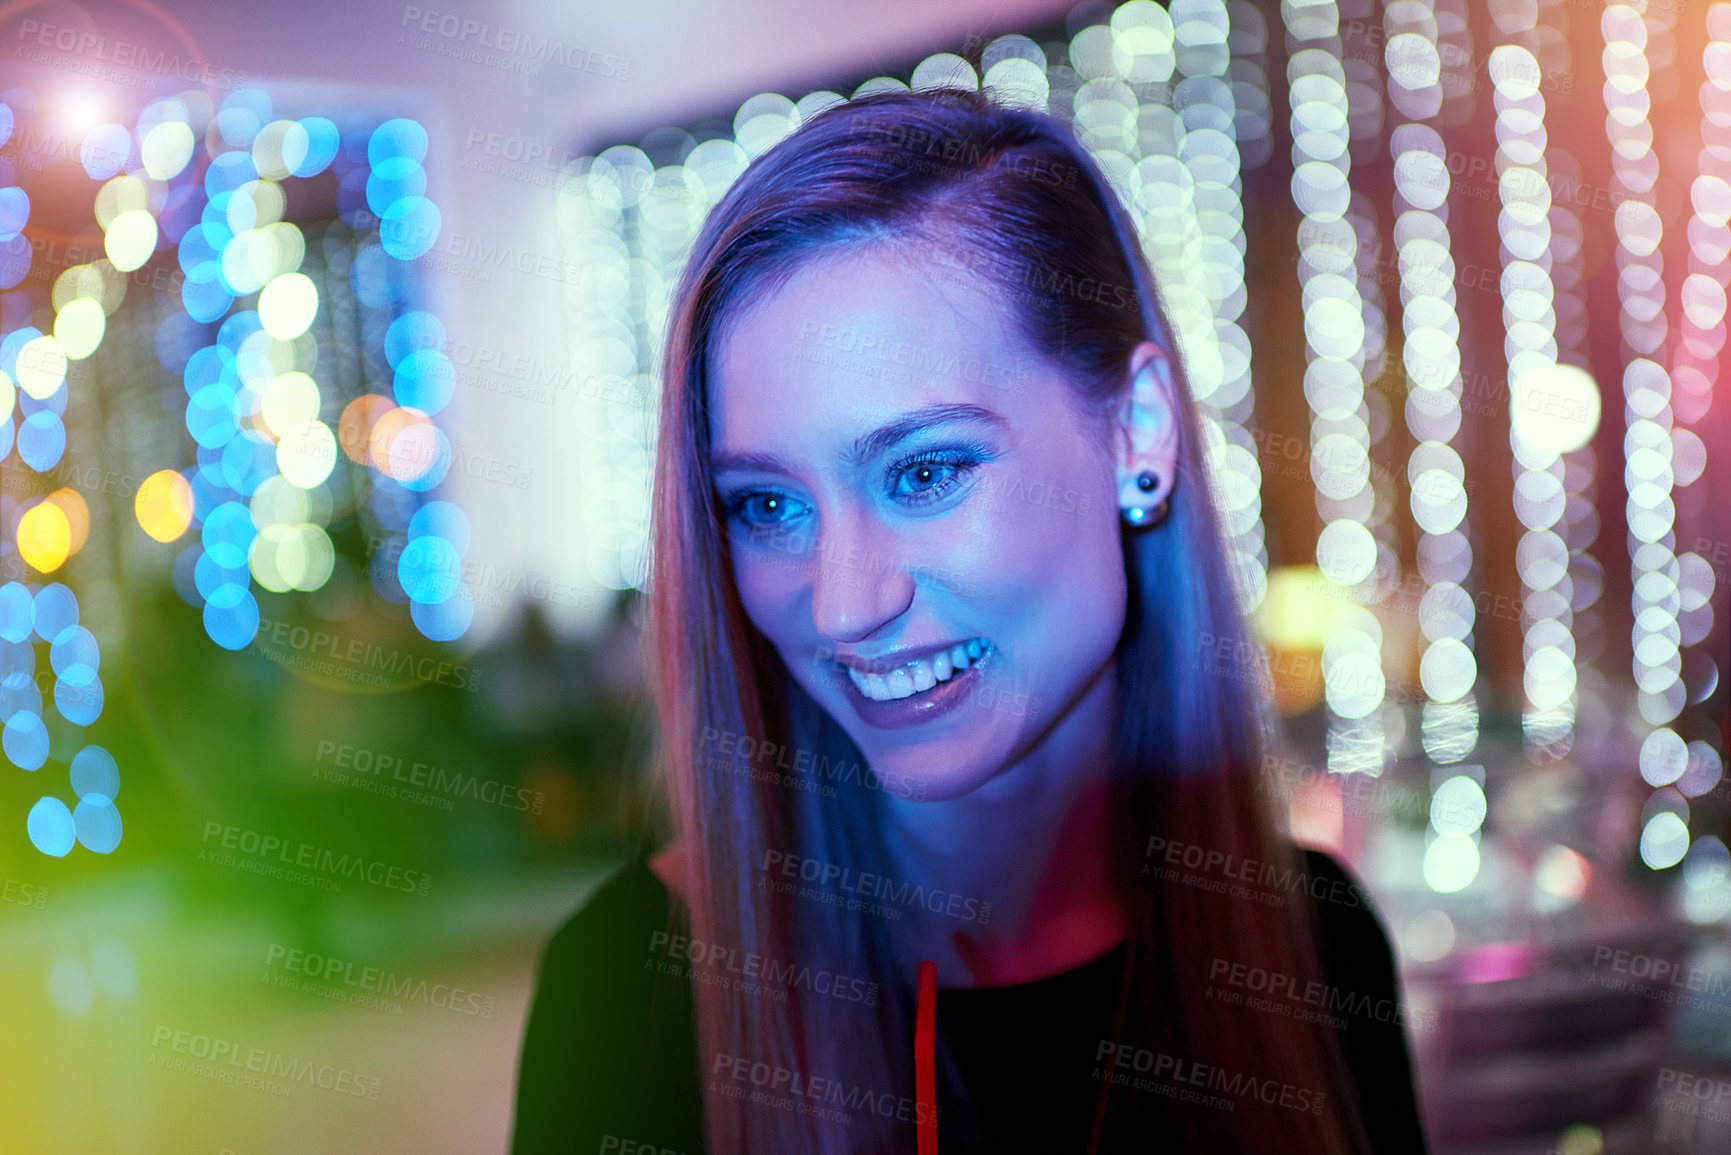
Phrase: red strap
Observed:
(925, 1061)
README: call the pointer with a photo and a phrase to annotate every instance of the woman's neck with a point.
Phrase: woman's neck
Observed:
(1035, 843)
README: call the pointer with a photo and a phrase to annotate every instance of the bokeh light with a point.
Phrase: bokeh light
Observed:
(163, 505)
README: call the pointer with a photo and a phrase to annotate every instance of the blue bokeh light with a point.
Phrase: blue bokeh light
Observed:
(393, 180)
(25, 740)
(210, 416)
(444, 519)
(11, 344)
(96, 822)
(247, 461)
(206, 366)
(17, 658)
(203, 244)
(409, 227)
(14, 212)
(239, 126)
(231, 617)
(209, 490)
(229, 171)
(74, 656)
(208, 577)
(253, 368)
(17, 612)
(203, 294)
(412, 332)
(94, 771)
(438, 465)
(236, 329)
(448, 620)
(19, 693)
(51, 828)
(429, 568)
(42, 440)
(54, 611)
(54, 403)
(315, 154)
(228, 535)
(399, 138)
(425, 380)
(80, 705)
(232, 209)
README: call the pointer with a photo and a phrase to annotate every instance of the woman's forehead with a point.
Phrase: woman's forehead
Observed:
(876, 294)
(852, 338)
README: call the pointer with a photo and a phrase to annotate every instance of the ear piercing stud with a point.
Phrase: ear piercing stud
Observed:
(1140, 516)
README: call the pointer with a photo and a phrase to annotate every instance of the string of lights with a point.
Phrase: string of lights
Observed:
(1695, 365)
(1552, 407)
(206, 181)
(1436, 475)
(1336, 343)
(1647, 444)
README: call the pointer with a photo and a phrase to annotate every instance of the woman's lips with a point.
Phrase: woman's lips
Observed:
(917, 707)
(920, 674)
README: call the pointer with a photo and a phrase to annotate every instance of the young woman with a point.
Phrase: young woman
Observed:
(968, 849)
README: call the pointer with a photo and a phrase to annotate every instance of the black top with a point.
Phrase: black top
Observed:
(609, 1060)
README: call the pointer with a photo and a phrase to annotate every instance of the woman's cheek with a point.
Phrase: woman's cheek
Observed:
(768, 590)
(1010, 541)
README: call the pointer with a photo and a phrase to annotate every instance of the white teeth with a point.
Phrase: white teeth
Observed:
(919, 676)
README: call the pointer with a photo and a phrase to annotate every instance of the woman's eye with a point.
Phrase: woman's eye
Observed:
(924, 476)
(929, 480)
(765, 508)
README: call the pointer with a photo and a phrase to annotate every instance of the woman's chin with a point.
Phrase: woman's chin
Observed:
(924, 783)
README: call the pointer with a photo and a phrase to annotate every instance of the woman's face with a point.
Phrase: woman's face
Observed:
(924, 523)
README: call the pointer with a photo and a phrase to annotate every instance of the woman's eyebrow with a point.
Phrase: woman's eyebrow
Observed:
(868, 445)
(748, 463)
(886, 436)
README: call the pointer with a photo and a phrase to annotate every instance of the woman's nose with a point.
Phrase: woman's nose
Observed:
(860, 577)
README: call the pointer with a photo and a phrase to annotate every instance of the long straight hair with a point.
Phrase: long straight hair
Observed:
(1011, 195)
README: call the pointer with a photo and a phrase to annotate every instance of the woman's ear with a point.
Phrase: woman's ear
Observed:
(1146, 434)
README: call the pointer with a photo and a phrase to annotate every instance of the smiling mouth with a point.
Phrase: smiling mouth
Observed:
(922, 674)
